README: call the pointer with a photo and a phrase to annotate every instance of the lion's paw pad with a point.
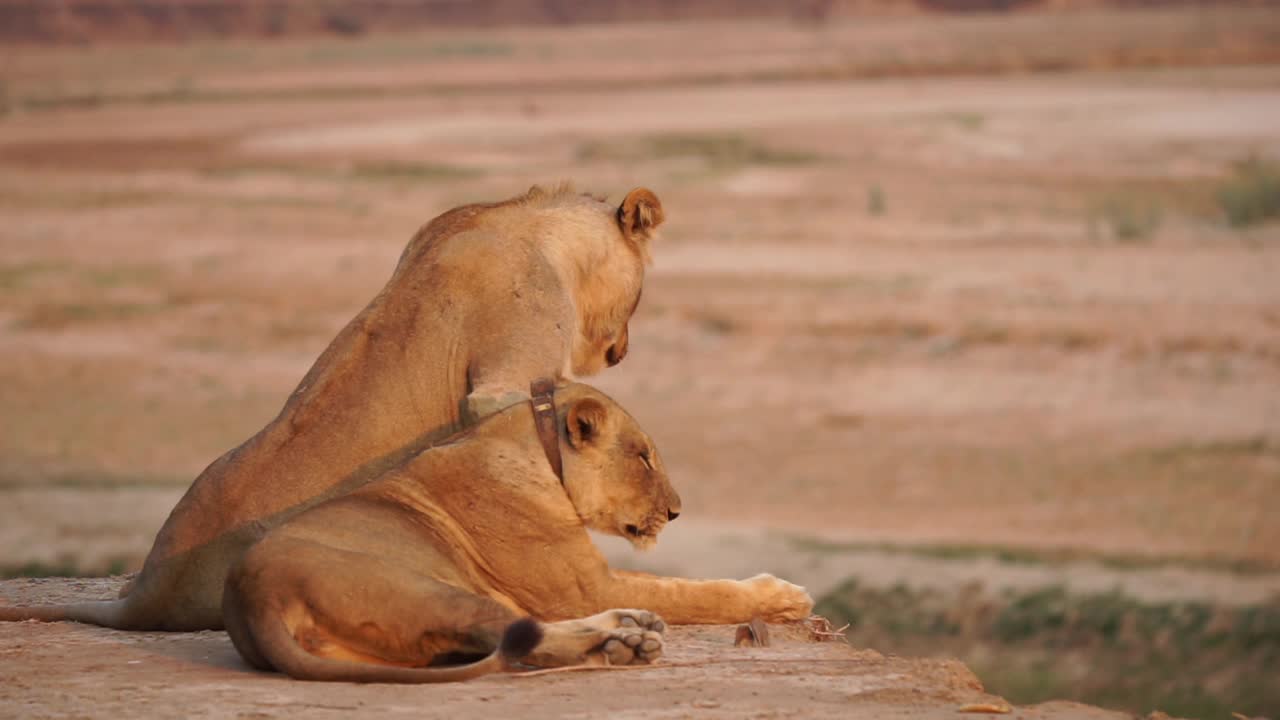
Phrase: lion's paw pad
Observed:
(632, 646)
(642, 619)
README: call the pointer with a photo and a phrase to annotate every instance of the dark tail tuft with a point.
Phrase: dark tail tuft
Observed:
(520, 638)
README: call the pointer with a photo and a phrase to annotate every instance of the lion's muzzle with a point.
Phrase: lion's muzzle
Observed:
(618, 350)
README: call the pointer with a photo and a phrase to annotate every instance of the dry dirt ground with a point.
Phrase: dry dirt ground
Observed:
(997, 310)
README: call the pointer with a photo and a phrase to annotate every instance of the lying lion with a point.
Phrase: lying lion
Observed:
(471, 536)
(485, 299)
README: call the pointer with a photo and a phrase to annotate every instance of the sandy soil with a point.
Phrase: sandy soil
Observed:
(995, 310)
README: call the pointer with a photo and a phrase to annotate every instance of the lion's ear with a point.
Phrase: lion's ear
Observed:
(639, 214)
(584, 420)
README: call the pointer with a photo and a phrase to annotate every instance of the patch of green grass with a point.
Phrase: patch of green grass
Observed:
(1043, 677)
(343, 21)
(297, 328)
(968, 120)
(373, 171)
(263, 168)
(382, 47)
(720, 151)
(18, 275)
(1186, 658)
(177, 94)
(1127, 217)
(877, 203)
(1252, 194)
(469, 49)
(53, 316)
(1003, 554)
(1250, 446)
(121, 275)
(726, 149)
(716, 324)
(890, 284)
(110, 199)
(979, 332)
(419, 172)
(80, 199)
(64, 567)
(110, 77)
(21, 275)
(1034, 556)
(876, 284)
(1031, 682)
(12, 478)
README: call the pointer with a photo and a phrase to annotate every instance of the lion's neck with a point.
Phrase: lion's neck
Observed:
(501, 457)
(595, 269)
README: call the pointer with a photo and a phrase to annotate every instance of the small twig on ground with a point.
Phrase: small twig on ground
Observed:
(820, 629)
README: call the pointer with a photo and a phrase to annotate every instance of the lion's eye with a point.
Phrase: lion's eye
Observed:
(644, 458)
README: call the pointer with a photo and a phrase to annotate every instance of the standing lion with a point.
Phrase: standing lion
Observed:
(484, 299)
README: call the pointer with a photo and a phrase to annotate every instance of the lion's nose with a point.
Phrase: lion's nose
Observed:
(672, 515)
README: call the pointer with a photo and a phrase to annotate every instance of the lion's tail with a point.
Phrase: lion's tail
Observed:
(107, 613)
(281, 649)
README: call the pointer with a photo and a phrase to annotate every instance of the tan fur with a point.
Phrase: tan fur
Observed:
(471, 535)
(485, 299)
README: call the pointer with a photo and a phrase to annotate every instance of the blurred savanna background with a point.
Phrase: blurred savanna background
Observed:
(966, 314)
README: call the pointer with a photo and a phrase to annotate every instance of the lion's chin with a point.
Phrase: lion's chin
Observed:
(643, 542)
(639, 539)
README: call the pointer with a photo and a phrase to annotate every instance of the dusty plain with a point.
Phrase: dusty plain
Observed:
(926, 282)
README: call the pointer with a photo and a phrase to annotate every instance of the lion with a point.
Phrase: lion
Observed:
(484, 299)
(482, 554)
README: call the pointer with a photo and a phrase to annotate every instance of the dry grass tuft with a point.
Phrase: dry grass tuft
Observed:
(821, 630)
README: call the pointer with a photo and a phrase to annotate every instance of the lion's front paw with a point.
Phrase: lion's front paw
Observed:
(779, 600)
(631, 646)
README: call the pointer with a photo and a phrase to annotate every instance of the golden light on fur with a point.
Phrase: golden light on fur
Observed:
(472, 535)
(484, 299)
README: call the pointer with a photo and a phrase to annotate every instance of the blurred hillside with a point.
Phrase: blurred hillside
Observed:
(81, 21)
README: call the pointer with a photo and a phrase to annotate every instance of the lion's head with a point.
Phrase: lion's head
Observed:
(610, 276)
(597, 250)
(613, 473)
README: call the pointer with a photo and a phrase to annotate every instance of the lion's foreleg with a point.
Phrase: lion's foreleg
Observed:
(539, 324)
(687, 602)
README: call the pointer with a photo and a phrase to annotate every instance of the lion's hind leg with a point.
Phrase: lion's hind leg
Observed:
(613, 637)
(323, 613)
